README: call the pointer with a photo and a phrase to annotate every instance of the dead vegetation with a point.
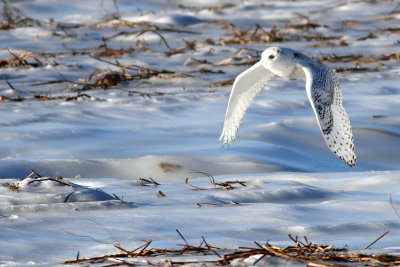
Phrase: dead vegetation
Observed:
(97, 80)
(216, 8)
(227, 185)
(358, 58)
(302, 251)
(169, 167)
(16, 18)
(34, 178)
(57, 179)
(161, 194)
(147, 182)
(45, 98)
(275, 34)
(112, 77)
(17, 61)
(300, 28)
(13, 186)
(41, 97)
(358, 68)
(222, 83)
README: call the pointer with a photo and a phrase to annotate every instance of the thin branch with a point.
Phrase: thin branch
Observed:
(183, 238)
(17, 57)
(393, 207)
(376, 240)
(105, 229)
(10, 85)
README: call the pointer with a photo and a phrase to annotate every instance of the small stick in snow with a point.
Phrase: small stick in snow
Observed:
(117, 197)
(22, 62)
(105, 229)
(144, 247)
(209, 204)
(195, 187)
(376, 240)
(10, 85)
(308, 242)
(122, 249)
(151, 179)
(296, 240)
(183, 238)
(145, 182)
(258, 28)
(33, 172)
(161, 194)
(212, 180)
(392, 204)
(157, 33)
(141, 247)
(210, 247)
(67, 197)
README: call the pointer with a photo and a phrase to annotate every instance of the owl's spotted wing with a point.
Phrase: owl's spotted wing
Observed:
(326, 99)
(246, 86)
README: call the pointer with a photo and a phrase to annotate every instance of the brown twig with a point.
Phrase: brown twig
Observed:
(310, 254)
(183, 238)
(149, 181)
(392, 205)
(376, 240)
(33, 172)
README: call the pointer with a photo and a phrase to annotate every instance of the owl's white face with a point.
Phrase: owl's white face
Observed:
(280, 61)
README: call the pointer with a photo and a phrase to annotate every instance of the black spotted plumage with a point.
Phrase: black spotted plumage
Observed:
(322, 89)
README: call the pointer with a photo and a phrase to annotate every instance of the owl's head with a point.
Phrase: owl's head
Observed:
(279, 60)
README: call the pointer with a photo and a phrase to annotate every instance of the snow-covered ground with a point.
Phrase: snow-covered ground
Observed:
(167, 128)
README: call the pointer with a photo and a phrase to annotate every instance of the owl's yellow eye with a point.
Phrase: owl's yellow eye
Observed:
(271, 56)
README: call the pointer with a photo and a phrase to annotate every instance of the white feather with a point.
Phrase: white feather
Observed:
(326, 100)
(246, 86)
(322, 89)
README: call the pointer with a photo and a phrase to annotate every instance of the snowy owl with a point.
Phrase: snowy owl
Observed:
(322, 90)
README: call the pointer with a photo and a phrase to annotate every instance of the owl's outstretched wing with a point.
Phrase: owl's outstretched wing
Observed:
(326, 99)
(246, 86)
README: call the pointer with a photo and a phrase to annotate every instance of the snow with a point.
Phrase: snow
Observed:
(45, 194)
(104, 144)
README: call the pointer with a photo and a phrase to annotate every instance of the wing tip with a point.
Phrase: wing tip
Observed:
(351, 161)
(226, 140)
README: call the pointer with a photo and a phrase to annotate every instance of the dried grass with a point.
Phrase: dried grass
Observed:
(303, 251)
(14, 17)
(39, 97)
(36, 177)
(13, 186)
(300, 29)
(169, 167)
(222, 83)
(358, 58)
(17, 61)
